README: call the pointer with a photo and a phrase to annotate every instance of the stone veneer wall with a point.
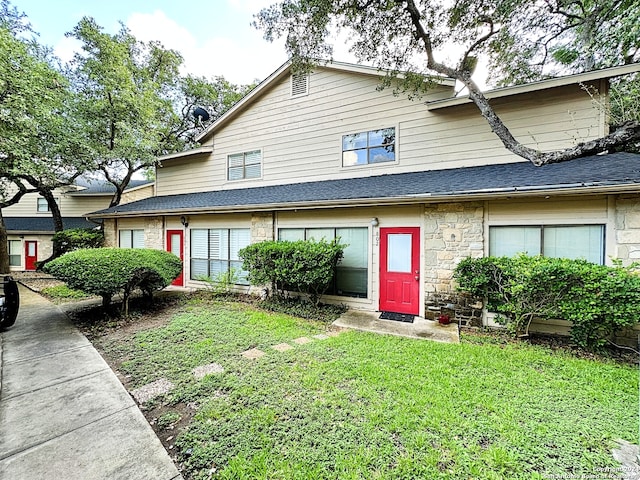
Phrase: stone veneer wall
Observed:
(452, 231)
(262, 226)
(110, 233)
(627, 225)
(154, 233)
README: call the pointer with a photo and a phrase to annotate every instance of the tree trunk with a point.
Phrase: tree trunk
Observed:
(58, 226)
(4, 246)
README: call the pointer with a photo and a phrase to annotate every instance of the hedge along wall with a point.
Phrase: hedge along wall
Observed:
(599, 300)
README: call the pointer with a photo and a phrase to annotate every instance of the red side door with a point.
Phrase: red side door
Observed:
(30, 254)
(400, 270)
(175, 245)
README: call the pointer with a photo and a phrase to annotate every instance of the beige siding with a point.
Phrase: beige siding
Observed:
(70, 206)
(138, 193)
(553, 210)
(300, 138)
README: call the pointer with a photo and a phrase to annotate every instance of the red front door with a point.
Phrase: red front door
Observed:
(30, 254)
(400, 270)
(175, 245)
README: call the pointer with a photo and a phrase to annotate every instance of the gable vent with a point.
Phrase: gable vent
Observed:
(299, 84)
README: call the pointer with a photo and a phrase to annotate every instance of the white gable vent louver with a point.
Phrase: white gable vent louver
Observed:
(299, 84)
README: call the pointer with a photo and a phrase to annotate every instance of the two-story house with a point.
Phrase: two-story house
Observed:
(30, 226)
(411, 187)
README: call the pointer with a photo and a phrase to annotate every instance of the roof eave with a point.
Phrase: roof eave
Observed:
(539, 85)
(30, 232)
(204, 150)
(476, 195)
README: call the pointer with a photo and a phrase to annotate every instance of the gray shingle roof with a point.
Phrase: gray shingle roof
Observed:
(100, 187)
(615, 169)
(43, 224)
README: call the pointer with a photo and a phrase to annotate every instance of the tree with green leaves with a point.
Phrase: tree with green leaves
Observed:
(412, 37)
(122, 88)
(134, 103)
(41, 147)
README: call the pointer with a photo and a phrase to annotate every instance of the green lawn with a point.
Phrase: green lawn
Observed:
(362, 406)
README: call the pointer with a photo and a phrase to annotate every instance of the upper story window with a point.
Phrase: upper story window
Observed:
(299, 84)
(245, 165)
(43, 205)
(375, 146)
(559, 241)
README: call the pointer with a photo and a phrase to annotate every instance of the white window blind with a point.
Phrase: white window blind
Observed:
(131, 238)
(565, 241)
(138, 238)
(215, 251)
(245, 165)
(15, 253)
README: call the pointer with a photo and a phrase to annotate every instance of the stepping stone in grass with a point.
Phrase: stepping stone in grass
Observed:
(151, 390)
(302, 340)
(282, 347)
(321, 336)
(203, 370)
(252, 354)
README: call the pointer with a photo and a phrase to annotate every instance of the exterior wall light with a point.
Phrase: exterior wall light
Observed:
(184, 221)
(374, 222)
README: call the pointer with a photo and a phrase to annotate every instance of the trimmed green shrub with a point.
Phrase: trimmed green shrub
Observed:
(304, 266)
(598, 300)
(78, 238)
(107, 271)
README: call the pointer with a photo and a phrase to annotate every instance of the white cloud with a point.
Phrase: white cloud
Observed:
(66, 48)
(240, 60)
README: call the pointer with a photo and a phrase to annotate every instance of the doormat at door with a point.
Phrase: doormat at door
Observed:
(398, 317)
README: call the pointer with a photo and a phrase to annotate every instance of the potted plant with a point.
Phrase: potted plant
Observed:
(444, 319)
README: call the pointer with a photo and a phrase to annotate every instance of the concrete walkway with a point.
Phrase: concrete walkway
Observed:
(419, 329)
(63, 412)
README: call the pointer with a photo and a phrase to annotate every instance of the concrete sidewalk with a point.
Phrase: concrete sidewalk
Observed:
(63, 412)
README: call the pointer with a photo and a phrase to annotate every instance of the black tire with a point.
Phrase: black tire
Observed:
(11, 303)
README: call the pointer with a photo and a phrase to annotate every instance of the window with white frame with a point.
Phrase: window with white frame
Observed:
(364, 148)
(15, 253)
(131, 238)
(245, 165)
(562, 241)
(214, 252)
(352, 273)
(43, 205)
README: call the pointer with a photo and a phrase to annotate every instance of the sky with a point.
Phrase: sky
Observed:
(215, 37)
